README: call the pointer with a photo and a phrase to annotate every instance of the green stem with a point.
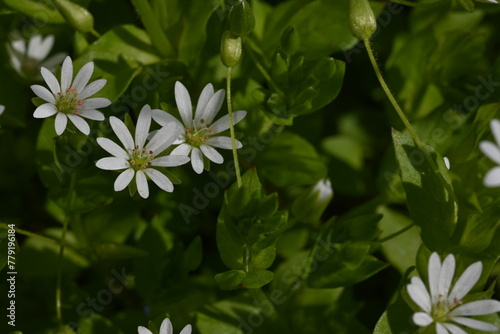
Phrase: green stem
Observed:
(69, 206)
(95, 33)
(405, 120)
(231, 127)
(30, 234)
(150, 22)
(263, 71)
(395, 234)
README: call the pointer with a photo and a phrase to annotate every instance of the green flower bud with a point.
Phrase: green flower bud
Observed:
(468, 5)
(361, 19)
(310, 205)
(230, 49)
(290, 41)
(325, 69)
(241, 20)
(77, 16)
(279, 70)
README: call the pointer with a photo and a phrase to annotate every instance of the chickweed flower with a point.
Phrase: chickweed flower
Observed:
(446, 309)
(198, 136)
(138, 158)
(166, 328)
(70, 99)
(492, 151)
(28, 59)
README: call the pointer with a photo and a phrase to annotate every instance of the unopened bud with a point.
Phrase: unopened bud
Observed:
(325, 68)
(230, 50)
(361, 19)
(290, 41)
(241, 20)
(79, 17)
(310, 206)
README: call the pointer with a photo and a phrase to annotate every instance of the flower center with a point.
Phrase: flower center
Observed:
(141, 158)
(68, 101)
(443, 307)
(196, 137)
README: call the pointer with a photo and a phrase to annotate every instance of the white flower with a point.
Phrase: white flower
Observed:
(311, 204)
(447, 162)
(166, 328)
(492, 151)
(137, 157)
(197, 138)
(27, 60)
(70, 99)
(445, 308)
(2, 109)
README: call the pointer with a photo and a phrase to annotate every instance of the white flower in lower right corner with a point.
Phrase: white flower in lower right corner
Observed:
(166, 328)
(445, 309)
(492, 151)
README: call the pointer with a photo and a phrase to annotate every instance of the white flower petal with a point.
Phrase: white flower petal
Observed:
(222, 124)
(112, 163)
(95, 115)
(478, 307)
(42, 49)
(51, 81)
(440, 329)
(15, 61)
(83, 77)
(160, 180)
(80, 123)
(60, 123)
(112, 148)
(34, 46)
(205, 96)
(197, 160)
(492, 178)
(122, 132)
(418, 293)
(66, 74)
(170, 161)
(19, 45)
(142, 184)
(92, 88)
(142, 126)
(163, 139)
(491, 150)
(453, 329)
(434, 273)
(182, 149)
(166, 327)
(95, 103)
(212, 154)
(43, 93)
(143, 330)
(476, 324)
(45, 110)
(183, 101)
(164, 118)
(446, 275)
(495, 129)
(223, 142)
(422, 319)
(186, 330)
(468, 279)
(123, 180)
(212, 108)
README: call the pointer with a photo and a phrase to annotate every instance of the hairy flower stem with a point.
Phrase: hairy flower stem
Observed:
(231, 127)
(406, 122)
(69, 206)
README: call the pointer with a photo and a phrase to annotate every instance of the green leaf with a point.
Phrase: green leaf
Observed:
(36, 9)
(431, 207)
(290, 161)
(97, 324)
(193, 255)
(114, 251)
(257, 279)
(230, 280)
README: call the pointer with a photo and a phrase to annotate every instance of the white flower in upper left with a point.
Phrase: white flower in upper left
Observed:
(492, 151)
(70, 99)
(137, 158)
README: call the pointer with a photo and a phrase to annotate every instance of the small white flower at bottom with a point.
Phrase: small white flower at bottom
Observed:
(492, 151)
(138, 158)
(444, 308)
(166, 328)
(69, 100)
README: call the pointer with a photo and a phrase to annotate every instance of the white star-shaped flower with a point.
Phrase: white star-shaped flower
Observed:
(138, 158)
(28, 59)
(70, 99)
(444, 308)
(492, 151)
(198, 136)
(166, 328)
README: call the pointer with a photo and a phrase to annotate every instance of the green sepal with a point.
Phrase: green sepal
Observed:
(241, 19)
(290, 41)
